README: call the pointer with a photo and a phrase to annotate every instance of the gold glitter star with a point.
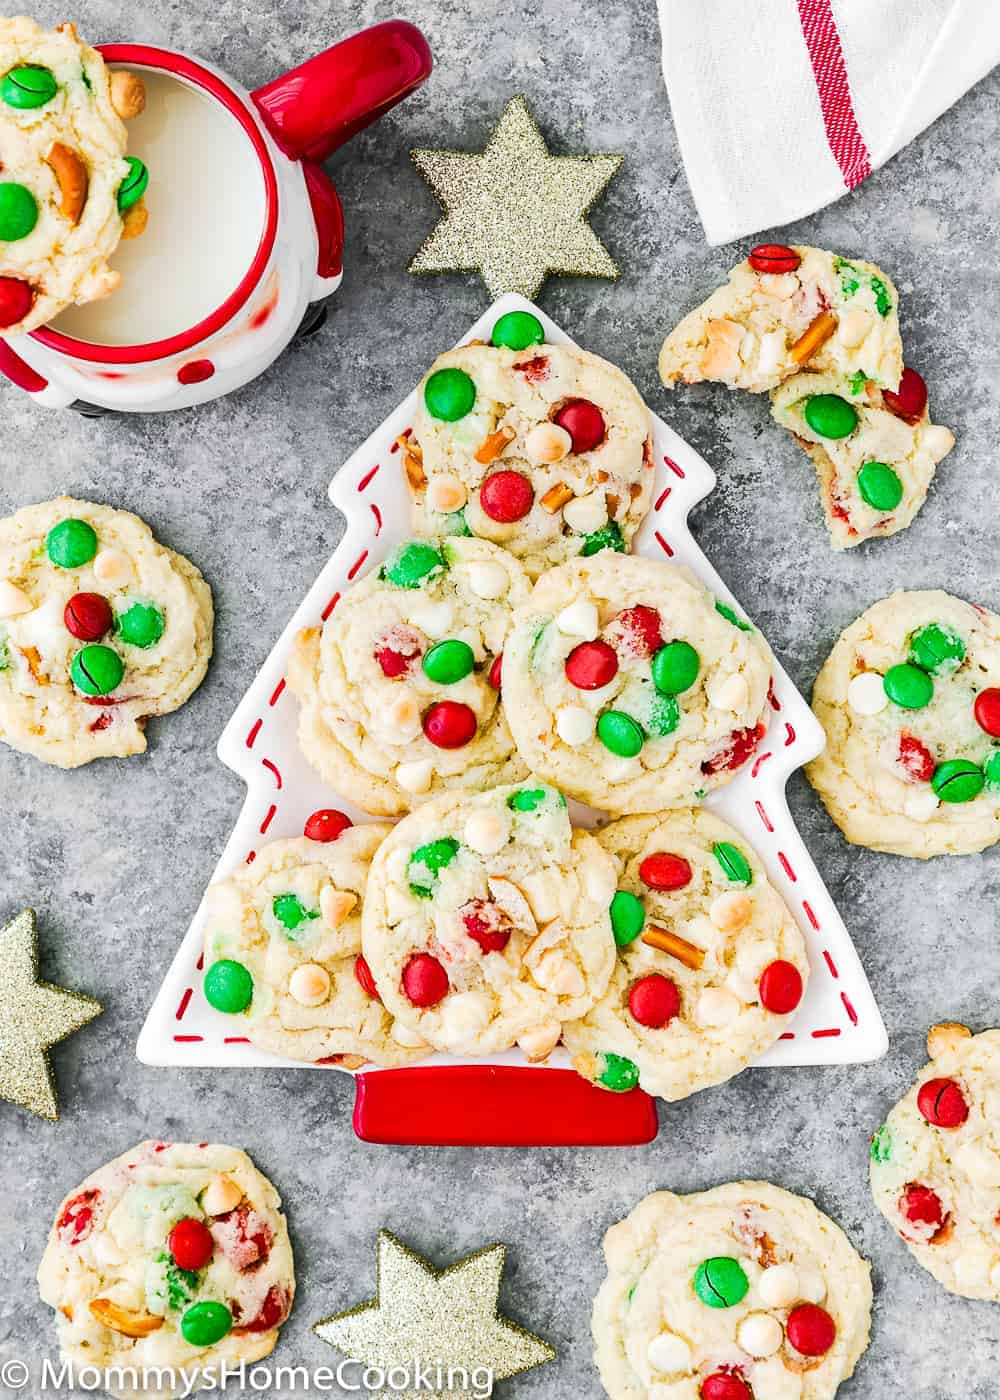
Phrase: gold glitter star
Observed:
(435, 1319)
(515, 213)
(34, 1016)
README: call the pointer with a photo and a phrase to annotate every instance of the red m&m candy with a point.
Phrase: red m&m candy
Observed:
(773, 257)
(365, 979)
(449, 724)
(271, 1313)
(663, 871)
(88, 616)
(910, 399)
(640, 629)
(916, 758)
(739, 747)
(506, 497)
(16, 300)
(584, 422)
(942, 1103)
(654, 1000)
(486, 924)
(780, 987)
(591, 665)
(425, 981)
(921, 1206)
(496, 672)
(725, 1385)
(810, 1329)
(190, 1244)
(987, 711)
(326, 824)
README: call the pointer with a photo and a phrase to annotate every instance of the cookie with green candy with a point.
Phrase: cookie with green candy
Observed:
(544, 449)
(910, 701)
(710, 963)
(100, 627)
(174, 1256)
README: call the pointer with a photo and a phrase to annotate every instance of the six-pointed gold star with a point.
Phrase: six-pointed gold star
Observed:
(435, 1318)
(34, 1016)
(515, 213)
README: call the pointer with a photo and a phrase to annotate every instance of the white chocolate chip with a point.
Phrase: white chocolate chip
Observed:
(622, 770)
(731, 911)
(446, 494)
(586, 514)
(464, 1014)
(558, 975)
(488, 579)
(920, 806)
(105, 1249)
(415, 776)
(866, 694)
(579, 620)
(403, 717)
(936, 441)
(852, 327)
(13, 600)
(486, 831)
(812, 1286)
(668, 1354)
(546, 443)
(772, 349)
(540, 1040)
(433, 619)
(575, 725)
(335, 905)
(310, 984)
(113, 567)
(730, 694)
(779, 1286)
(717, 1007)
(760, 1334)
(402, 1035)
(220, 1196)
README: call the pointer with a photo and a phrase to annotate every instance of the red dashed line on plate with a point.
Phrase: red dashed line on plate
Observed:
(378, 517)
(830, 964)
(788, 1035)
(188, 1039)
(763, 816)
(251, 857)
(786, 867)
(278, 689)
(200, 964)
(272, 768)
(365, 480)
(357, 564)
(663, 545)
(236, 1040)
(790, 732)
(330, 607)
(185, 999)
(268, 819)
(666, 492)
(852, 1015)
(759, 760)
(254, 731)
(827, 1034)
(810, 915)
(775, 702)
(674, 467)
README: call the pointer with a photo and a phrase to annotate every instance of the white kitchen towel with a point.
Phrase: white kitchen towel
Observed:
(782, 106)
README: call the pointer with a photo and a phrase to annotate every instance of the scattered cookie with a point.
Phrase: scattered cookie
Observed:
(743, 1292)
(874, 455)
(935, 1163)
(400, 688)
(100, 627)
(910, 702)
(629, 687)
(710, 962)
(173, 1255)
(283, 952)
(68, 192)
(544, 449)
(486, 921)
(787, 309)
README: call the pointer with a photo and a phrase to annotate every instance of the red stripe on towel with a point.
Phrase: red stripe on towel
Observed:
(847, 145)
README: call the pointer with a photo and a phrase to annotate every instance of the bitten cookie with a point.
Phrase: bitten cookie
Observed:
(486, 921)
(910, 702)
(173, 1255)
(874, 457)
(787, 309)
(744, 1292)
(68, 193)
(629, 687)
(400, 689)
(544, 449)
(935, 1163)
(283, 952)
(100, 627)
(710, 966)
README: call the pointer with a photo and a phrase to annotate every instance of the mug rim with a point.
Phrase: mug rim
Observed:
(149, 56)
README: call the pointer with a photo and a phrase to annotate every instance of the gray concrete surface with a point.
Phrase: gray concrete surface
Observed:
(115, 856)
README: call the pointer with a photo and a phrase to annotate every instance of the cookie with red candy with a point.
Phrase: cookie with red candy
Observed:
(175, 1255)
(935, 1163)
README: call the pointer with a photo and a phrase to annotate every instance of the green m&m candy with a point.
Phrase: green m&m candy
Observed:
(830, 415)
(28, 86)
(620, 734)
(428, 861)
(720, 1282)
(71, 544)
(449, 394)
(908, 686)
(618, 1072)
(410, 564)
(958, 780)
(456, 524)
(609, 536)
(675, 667)
(991, 769)
(449, 661)
(664, 715)
(18, 212)
(733, 863)
(937, 649)
(628, 918)
(881, 1148)
(228, 986)
(205, 1323)
(517, 330)
(724, 610)
(141, 625)
(880, 486)
(526, 800)
(290, 912)
(134, 186)
(97, 670)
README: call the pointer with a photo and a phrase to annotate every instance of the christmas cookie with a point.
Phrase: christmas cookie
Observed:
(283, 950)
(743, 1292)
(630, 687)
(173, 1256)
(874, 455)
(935, 1163)
(486, 921)
(710, 962)
(910, 702)
(788, 309)
(544, 449)
(400, 689)
(68, 192)
(100, 626)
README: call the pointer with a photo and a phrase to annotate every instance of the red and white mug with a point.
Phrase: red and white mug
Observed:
(246, 228)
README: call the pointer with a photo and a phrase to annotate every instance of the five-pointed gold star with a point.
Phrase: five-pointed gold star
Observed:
(515, 213)
(34, 1016)
(436, 1318)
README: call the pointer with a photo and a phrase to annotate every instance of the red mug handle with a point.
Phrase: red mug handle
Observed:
(313, 109)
